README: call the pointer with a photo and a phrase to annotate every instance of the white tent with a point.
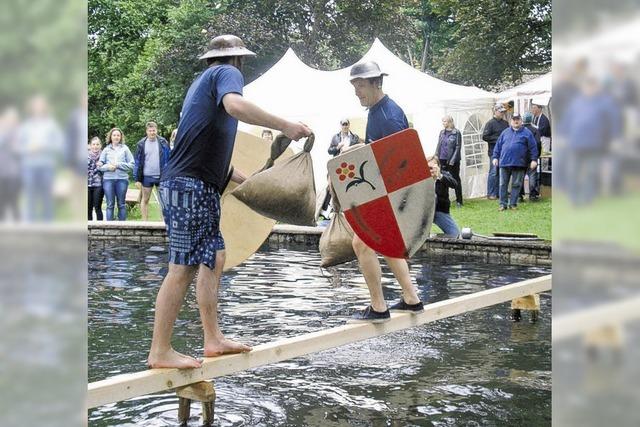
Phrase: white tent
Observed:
(322, 98)
(537, 91)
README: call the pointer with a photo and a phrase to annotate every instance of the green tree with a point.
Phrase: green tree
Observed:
(117, 33)
(494, 43)
(161, 60)
(143, 55)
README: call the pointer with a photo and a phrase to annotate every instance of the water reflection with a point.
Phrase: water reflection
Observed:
(475, 367)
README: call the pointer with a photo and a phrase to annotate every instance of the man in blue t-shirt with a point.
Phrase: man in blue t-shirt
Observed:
(385, 118)
(190, 190)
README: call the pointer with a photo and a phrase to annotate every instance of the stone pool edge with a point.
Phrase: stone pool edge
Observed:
(490, 251)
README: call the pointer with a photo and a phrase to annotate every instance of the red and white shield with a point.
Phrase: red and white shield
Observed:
(387, 193)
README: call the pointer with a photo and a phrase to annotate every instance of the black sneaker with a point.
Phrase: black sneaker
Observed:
(371, 316)
(403, 306)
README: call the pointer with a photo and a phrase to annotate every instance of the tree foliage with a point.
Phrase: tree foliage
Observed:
(494, 42)
(143, 55)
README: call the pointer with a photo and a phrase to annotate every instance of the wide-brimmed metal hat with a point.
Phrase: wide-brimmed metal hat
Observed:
(365, 70)
(226, 45)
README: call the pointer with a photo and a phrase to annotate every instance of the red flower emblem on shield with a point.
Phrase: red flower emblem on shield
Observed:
(347, 171)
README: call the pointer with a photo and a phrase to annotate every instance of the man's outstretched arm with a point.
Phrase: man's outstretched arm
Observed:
(248, 112)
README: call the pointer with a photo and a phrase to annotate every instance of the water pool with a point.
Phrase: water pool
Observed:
(475, 369)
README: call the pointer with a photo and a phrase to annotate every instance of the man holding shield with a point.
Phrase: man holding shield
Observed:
(385, 118)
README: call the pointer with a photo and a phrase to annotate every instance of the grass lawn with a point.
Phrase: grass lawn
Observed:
(480, 214)
(483, 217)
(134, 213)
(610, 219)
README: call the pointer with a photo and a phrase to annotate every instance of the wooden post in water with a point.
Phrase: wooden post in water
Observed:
(203, 392)
(530, 303)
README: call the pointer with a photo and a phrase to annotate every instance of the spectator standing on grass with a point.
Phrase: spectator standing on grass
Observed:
(513, 150)
(491, 132)
(116, 161)
(442, 215)
(542, 123)
(448, 153)
(94, 177)
(152, 156)
(534, 177)
(343, 139)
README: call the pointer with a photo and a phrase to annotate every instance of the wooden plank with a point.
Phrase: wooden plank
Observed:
(584, 321)
(126, 386)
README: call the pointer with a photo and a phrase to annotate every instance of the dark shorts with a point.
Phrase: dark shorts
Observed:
(191, 212)
(150, 181)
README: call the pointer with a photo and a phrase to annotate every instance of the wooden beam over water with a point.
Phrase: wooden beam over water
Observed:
(592, 319)
(126, 386)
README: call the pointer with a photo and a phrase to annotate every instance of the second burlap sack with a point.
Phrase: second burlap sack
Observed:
(336, 240)
(285, 191)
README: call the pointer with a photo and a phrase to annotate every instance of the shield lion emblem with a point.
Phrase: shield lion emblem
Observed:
(387, 193)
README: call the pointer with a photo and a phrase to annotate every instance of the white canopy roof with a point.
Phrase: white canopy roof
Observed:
(293, 89)
(538, 89)
(320, 99)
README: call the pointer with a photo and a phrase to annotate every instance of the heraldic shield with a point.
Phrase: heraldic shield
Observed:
(387, 193)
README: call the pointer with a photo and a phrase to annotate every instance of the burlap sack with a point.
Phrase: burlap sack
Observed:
(286, 191)
(336, 240)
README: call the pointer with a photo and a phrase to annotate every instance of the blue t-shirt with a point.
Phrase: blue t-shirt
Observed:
(385, 118)
(206, 132)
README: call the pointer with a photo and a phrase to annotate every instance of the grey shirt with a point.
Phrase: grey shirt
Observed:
(151, 158)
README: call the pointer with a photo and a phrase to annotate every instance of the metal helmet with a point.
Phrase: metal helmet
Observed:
(226, 45)
(527, 118)
(365, 70)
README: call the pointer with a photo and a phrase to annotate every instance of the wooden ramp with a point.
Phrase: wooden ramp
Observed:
(127, 386)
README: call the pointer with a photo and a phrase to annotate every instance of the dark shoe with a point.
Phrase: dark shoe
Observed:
(502, 208)
(513, 208)
(403, 306)
(534, 198)
(371, 316)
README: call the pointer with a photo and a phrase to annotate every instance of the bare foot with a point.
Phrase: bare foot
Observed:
(172, 359)
(224, 346)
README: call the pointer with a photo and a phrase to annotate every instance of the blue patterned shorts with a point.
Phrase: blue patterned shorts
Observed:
(191, 212)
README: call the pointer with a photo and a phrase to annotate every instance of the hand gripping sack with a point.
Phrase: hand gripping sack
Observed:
(336, 240)
(286, 191)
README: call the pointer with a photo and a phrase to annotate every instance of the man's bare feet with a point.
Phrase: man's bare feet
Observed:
(172, 359)
(224, 346)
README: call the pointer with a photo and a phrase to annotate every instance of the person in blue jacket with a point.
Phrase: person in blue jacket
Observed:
(152, 156)
(515, 146)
